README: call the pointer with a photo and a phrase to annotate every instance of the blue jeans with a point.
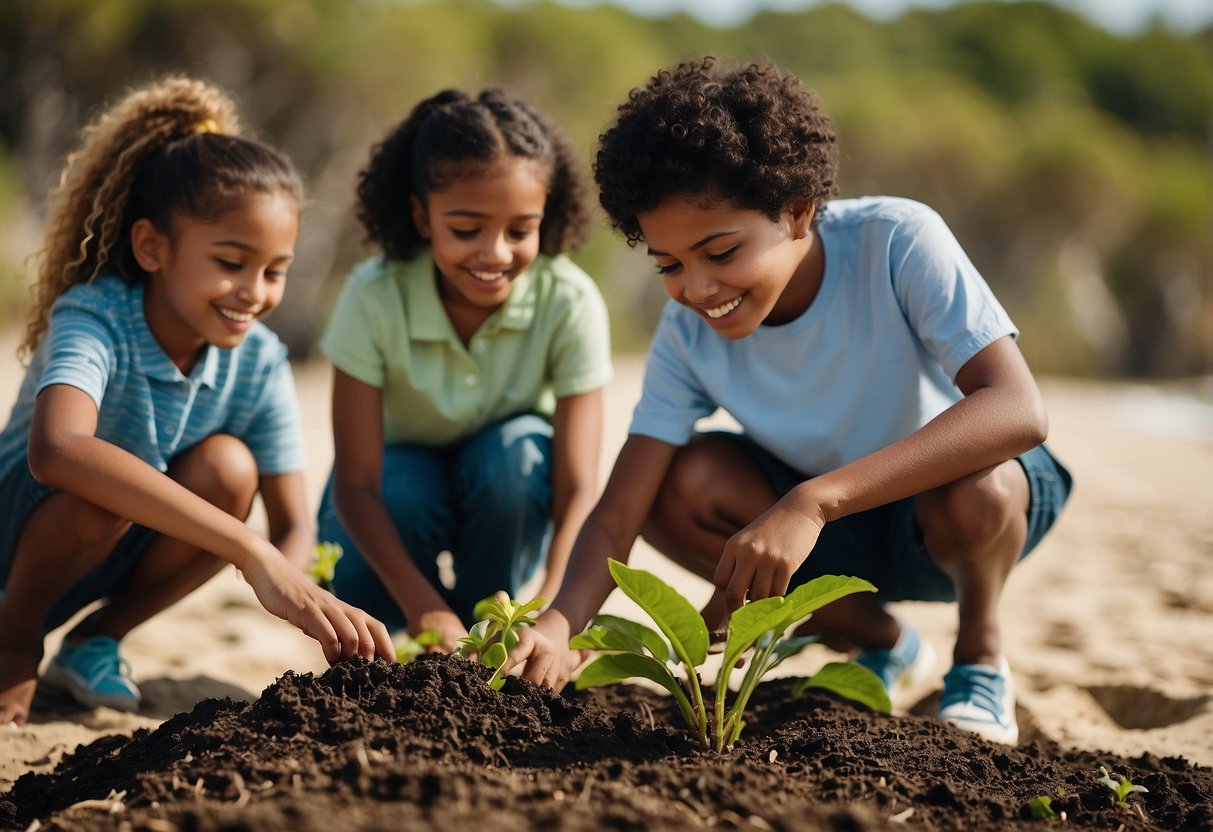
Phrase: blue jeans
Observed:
(486, 500)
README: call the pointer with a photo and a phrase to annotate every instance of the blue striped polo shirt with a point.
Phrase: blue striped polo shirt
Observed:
(98, 341)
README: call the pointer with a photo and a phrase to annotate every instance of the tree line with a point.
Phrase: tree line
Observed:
(1075, 166)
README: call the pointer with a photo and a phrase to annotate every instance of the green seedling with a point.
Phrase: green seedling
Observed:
(324, 563)
(409, 648)
(1041, 807)
(635, 650)
(493, 636)
(1121, 788)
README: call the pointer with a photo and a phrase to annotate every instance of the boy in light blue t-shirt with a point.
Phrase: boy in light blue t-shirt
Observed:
(891, 429)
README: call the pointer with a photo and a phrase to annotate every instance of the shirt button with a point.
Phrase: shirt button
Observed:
(470, 378)
(479, 346)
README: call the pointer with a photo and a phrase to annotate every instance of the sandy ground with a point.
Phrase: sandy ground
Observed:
(1108, 625)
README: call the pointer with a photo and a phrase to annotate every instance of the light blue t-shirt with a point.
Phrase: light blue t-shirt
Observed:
(98, 341)
(900, 310)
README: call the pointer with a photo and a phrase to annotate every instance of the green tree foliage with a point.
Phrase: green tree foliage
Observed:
(1075, 166)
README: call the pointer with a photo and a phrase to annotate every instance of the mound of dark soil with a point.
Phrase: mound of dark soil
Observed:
(428, 746)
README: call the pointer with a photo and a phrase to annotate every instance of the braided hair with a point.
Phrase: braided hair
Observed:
(451, 135)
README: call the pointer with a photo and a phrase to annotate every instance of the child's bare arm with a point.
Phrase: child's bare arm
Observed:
(1001, 416)
(65, 453)
(609, 532)
(358, 496)
(576, 447)
(291, 529)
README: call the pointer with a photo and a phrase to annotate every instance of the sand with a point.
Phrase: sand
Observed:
(1108, 625)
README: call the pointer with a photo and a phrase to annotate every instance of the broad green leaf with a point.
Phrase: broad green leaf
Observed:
(673, 614)
(747, 624)
(529, 607)
(487, 608)
(652, 639)
(476, 639)
(815, 594)
(495, 655)
(616, 667)
(601, 638)
(850, 681)
(509, 639)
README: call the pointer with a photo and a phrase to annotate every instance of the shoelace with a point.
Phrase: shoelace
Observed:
(99, 659)
(981, 686)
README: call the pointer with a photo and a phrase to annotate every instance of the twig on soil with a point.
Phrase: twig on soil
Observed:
(902, 817)
(111, 803)
(584, 797)
(647, 711)
(244, 795)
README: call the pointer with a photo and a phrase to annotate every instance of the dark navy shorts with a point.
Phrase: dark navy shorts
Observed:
(20, 495)
(885, 544)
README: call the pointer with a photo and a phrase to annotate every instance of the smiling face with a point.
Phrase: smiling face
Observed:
(483, 229)
(735, 267)
(209, 281)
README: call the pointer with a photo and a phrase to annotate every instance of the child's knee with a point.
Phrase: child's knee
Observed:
(222, 470)
(966, 516)
(513, 473)
(92, 525)
(692, 475)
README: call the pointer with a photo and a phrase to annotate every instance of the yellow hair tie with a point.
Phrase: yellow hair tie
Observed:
(207, 125)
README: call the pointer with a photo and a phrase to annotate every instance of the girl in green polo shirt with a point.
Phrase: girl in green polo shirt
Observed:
(469, 360)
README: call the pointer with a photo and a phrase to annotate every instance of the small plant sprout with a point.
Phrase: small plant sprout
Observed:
(1121, 787)
(324, 563)
(409, 648)
(635, 650)
(1041, 807)
(493, 636)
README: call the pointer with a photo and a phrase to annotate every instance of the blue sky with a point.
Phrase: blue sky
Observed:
(1120, 16)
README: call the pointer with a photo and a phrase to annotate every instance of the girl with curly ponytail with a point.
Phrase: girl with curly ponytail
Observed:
(156, 404)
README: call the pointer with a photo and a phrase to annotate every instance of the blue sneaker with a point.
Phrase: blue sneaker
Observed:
(981, 699)
(906, 665)
(93, 673)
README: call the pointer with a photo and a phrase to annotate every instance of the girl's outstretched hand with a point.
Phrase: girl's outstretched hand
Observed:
(342, 630)
(544, 649)
(446, 623)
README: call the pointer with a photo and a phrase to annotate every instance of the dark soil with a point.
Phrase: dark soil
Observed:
(428, 746)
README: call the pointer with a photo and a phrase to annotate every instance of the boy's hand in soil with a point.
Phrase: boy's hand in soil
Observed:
(446, 623)
(759, 561)
(545, 650)
(342, 630)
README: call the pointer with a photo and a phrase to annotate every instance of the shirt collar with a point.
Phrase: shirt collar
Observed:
(153, 360)
(427, 319)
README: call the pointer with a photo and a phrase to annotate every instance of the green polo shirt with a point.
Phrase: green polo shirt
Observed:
(550, 339)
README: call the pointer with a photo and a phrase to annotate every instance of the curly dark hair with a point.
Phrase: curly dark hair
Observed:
(451, 135)
(750, 135)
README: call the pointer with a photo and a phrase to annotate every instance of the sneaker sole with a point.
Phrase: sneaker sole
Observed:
(987, 730)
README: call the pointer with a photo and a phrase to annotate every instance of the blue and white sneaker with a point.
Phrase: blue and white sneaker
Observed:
(981, 699)
(906, 665)
(93, 673)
